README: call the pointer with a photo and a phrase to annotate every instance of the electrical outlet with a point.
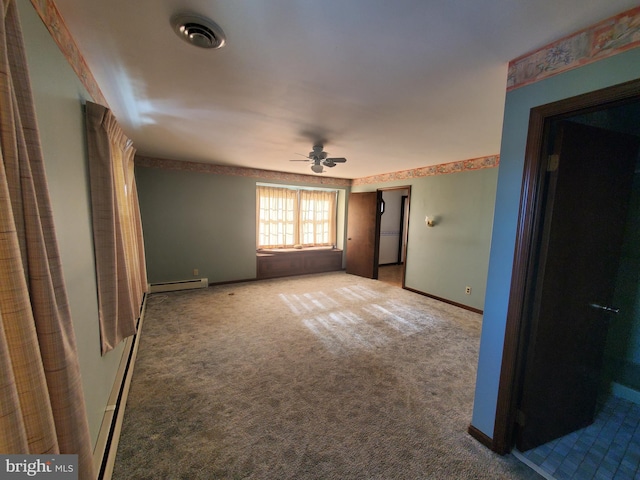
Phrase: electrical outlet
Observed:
(195, 272)
(467, 290)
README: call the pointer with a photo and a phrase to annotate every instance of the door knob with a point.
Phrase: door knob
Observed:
(604, 309)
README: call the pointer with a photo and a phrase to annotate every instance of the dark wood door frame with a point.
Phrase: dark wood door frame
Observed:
(533, 184)
(403, 212)
(402, 244)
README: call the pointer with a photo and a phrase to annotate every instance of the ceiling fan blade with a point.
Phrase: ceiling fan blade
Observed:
(319, 159)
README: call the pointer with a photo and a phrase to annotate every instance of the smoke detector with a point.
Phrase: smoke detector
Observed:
(198, 31)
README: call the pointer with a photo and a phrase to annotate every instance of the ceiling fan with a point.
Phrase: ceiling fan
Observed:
(319, 158)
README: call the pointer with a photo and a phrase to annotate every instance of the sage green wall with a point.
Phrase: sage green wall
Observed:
(59, 97)
(444, 259)
(202, 221)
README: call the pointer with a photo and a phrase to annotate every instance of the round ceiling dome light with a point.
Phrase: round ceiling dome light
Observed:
(198, 31)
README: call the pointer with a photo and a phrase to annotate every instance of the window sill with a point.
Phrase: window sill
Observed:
(272, 251)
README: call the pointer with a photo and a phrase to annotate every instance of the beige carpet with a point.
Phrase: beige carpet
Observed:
(325, 376)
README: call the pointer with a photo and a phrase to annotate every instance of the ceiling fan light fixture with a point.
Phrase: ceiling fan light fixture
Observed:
(320, 159)
(198, 31)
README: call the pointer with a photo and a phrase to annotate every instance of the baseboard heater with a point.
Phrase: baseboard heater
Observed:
(179, 285)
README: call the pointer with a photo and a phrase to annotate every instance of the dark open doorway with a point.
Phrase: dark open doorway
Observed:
(525, 294)
(364, 219)
(394, 223)
(575, 262)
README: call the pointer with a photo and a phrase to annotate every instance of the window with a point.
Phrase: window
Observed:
(289, 217)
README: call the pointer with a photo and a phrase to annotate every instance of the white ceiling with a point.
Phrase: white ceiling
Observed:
(390, 85)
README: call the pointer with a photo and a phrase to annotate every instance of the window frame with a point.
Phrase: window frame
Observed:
(298, 221)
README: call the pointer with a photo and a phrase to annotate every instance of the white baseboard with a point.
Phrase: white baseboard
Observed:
(625, 392)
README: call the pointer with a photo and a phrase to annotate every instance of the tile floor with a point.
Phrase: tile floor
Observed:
(607, 449)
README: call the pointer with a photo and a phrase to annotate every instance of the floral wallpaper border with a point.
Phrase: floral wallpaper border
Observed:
(198, 167)
(490, 161)
(602, 40)
(48, 12)
(432, 170)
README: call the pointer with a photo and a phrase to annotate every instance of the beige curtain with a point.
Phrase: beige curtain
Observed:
(117, 229)
(317, 217)
(286, 217)
(42, 406)
(277, 217)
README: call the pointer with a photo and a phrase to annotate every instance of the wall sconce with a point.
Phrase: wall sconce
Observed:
(430, 221)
